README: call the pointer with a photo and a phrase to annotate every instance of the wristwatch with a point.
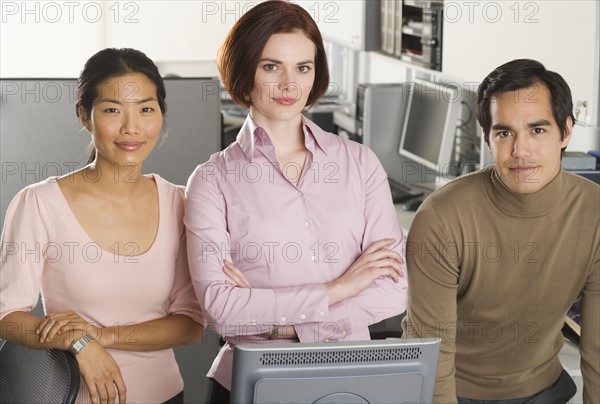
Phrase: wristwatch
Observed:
(79, 344)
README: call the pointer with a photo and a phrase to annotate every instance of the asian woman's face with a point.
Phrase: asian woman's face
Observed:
(284, 77)
(126, 120)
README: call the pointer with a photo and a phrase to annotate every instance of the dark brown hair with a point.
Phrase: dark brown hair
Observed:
(240, 53)
(517, 75)
(112, 62)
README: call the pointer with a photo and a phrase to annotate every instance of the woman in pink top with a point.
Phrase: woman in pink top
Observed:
(305, 215)
(106, 247)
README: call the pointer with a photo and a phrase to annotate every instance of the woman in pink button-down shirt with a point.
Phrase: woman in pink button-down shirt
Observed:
(292, 233)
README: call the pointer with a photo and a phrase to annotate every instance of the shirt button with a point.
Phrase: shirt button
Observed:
(302, 316)
(343, 332)
(300, 194)
(306, 224)
(326, 340)
(282, 319)
(313, 258)
(322, 314)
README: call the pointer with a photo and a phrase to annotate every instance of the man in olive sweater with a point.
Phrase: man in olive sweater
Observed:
(496, 258)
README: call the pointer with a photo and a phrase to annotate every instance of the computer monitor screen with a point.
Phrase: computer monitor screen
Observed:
(369, 372)
(430, 123)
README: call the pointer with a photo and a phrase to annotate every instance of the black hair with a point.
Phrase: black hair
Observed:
(519, 74)
(113, 62)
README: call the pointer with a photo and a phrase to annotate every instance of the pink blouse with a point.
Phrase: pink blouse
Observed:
(45, 248)
(288, 240)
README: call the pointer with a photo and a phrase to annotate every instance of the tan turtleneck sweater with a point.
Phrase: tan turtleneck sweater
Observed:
(493, 274)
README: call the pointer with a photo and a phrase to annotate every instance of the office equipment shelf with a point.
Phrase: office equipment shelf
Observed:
(412, 31)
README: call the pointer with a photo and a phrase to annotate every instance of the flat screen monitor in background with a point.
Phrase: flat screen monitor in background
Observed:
(429, 128)
(369, 372)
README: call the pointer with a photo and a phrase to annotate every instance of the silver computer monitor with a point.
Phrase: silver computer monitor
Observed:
(369, 372)
(429, 127)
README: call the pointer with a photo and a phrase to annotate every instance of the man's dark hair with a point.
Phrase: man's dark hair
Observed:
(519, 74)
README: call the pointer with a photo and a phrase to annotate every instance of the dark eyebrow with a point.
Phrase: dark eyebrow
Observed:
(501, 126)
(541, 122)
(119, 102)
(113, 101)
(279, 62)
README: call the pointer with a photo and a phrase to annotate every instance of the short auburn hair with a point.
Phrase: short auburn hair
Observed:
(240, 53)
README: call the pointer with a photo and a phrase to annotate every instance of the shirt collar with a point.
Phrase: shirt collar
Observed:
(251, 136)
(315, 136)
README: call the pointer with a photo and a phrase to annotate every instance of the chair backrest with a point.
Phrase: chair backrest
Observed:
(37, 375)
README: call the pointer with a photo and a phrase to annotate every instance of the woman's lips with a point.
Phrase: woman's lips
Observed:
(129, 146)
(285, 101)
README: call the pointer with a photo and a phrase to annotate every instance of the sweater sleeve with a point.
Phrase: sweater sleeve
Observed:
(432, 285)
(24, 239)
(590, 330)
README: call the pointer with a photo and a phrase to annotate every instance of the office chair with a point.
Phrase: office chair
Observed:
(37, 375)
(388, 328)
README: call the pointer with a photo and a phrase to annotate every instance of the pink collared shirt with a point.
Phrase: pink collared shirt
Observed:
(288, 240)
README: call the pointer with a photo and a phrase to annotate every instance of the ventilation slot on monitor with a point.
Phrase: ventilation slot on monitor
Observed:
(341, 356)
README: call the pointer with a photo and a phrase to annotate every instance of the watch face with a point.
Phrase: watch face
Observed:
(78, 345)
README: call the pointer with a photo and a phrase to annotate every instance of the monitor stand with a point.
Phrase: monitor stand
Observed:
(341, 398)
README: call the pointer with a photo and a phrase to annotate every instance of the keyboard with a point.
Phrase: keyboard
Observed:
(402, 192)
